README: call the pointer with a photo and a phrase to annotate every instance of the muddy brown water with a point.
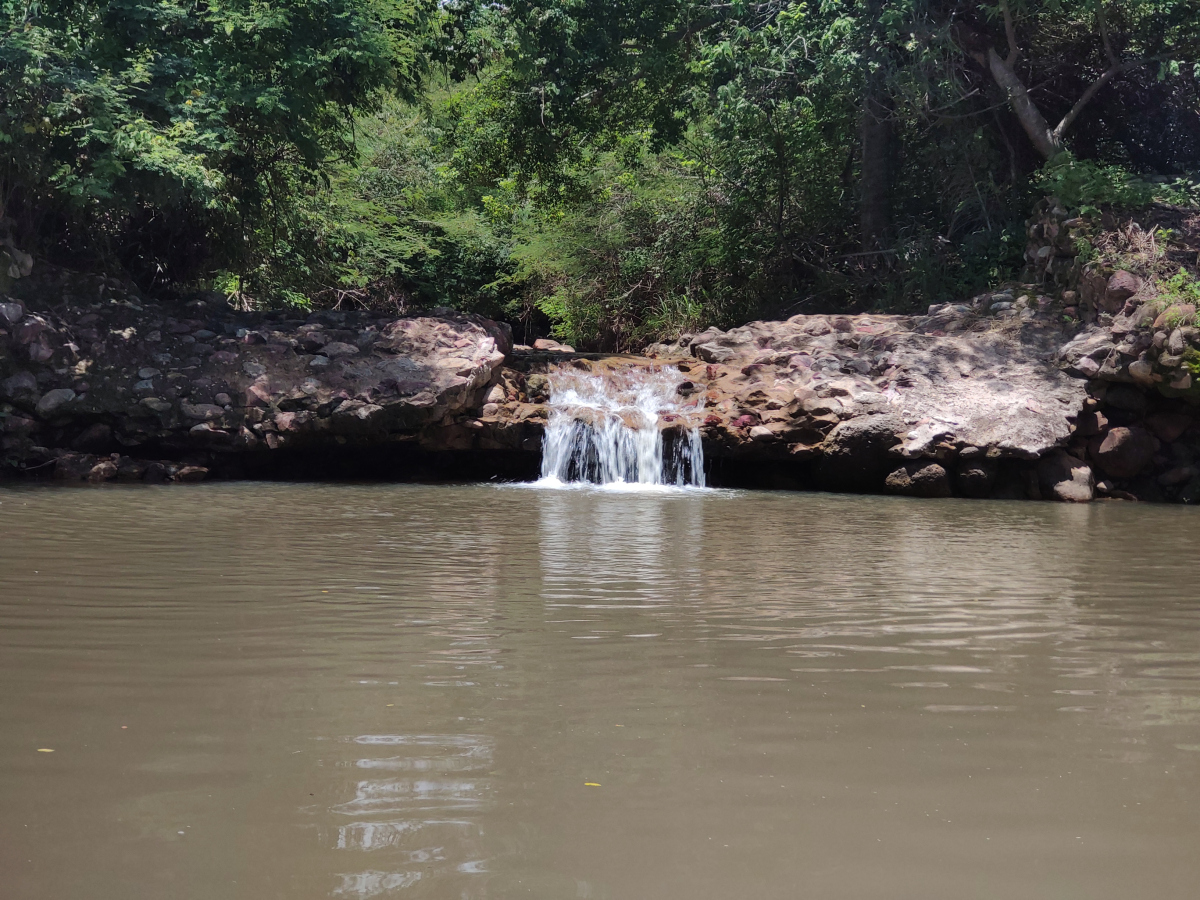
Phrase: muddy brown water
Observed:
(309, 691)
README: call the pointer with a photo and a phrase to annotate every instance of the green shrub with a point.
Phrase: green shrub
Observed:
(1084, 186)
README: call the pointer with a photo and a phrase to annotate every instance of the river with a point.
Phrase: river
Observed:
(303, 691)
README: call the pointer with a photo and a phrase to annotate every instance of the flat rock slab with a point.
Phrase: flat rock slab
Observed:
(947, 381)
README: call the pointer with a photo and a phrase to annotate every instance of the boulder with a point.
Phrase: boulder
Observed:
(1121, 286)
(919, 479)
(156, 473)
(105, 470)
(1169, 427)
(11, 313)
(1063, 477)
(1125, 452)
(19, 388)
(976, 477)
(1173, 315)
(336, 349)
(1126, 397)
(97, 438)
(712, 353)
(53, 401)
(545, 344)
(1092, 288)
(855, 454)
(73, 466)
(1178, 475)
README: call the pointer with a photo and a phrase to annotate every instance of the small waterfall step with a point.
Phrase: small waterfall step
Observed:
(623, 426)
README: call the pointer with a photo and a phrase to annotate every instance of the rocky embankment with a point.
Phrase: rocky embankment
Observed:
(1005, 396)
(100, 385)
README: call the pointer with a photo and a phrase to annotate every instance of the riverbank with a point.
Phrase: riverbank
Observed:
(1001, 397)
(1075, 386)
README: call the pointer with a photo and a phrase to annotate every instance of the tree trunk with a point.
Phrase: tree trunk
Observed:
(1043, 137)
(875, 182)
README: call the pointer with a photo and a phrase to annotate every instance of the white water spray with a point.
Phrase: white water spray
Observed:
(609, 428)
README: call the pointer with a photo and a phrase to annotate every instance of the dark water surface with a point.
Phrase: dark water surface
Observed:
(308, 691)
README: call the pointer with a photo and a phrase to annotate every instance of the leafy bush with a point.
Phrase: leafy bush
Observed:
(1085, 186)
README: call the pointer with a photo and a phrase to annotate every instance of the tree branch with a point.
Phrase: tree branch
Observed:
(1103, 23)
(1109, 74)
(1010, 32)
(1027, 113)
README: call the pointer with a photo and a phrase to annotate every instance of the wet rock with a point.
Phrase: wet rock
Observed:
(11, 313)
(1178, 475)
(73, 466)
(201, 410)
(1063, 477)
(105, 470)
(1125, 452)
(191, 474)
(919, 480)
(537, 388)
(21, 388)
(156, 473)
(976, 477)
(1146, 489)
(53, 401)
(157, 404)
(713, 353)
(130, 469)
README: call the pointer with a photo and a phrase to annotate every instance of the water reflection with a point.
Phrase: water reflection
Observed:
(603, 550)
(421, 825)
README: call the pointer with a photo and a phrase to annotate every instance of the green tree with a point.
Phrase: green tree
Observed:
(171, 134)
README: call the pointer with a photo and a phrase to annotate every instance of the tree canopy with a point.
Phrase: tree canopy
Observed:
(611, 169)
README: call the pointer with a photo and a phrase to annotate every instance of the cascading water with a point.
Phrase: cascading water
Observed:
(609, 429)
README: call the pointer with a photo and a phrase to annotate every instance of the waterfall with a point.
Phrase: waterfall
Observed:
(626, 426)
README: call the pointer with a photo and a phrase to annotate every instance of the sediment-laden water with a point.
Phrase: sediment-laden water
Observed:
(304, 691)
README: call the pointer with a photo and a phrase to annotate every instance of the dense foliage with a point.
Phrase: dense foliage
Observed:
(611, 170)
